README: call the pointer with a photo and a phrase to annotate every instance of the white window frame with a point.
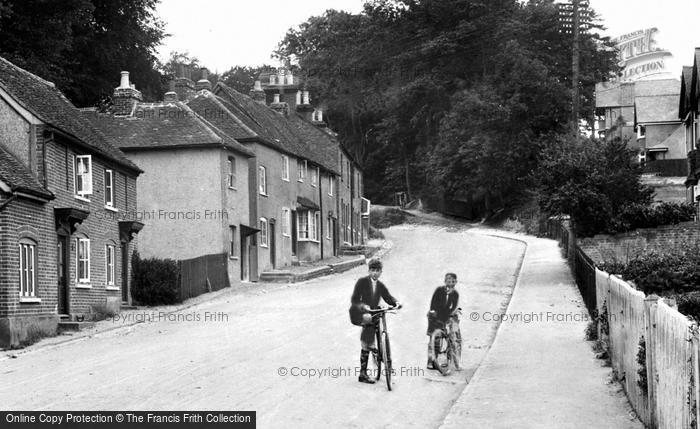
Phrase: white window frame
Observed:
(109, 190)
(79, 260)
(308, 225)
(331, 182)
(641, 131)
(27, 269)
(285, 168)
(301, 170)
(263, 232)
(329, 226)
(110, 272)
(262, 180)
(314, 176)
(303, 225)
(231, 174)
(286, 222)
(82, 180)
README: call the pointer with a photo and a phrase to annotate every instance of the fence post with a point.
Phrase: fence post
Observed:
(695, 362)
(649, 324)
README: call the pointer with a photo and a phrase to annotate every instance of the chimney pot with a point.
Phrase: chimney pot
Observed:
(276, 98)
(298, 97)
(257, 86)
(305, 97)
(125, 80)
(205, 73)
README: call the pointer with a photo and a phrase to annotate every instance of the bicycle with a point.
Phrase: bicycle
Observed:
(445, 342)
(382, 354)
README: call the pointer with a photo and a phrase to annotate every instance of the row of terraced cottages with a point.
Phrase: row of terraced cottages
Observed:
(258, 180)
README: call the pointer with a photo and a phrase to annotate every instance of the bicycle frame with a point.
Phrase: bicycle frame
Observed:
(444, 330)
(383, 351)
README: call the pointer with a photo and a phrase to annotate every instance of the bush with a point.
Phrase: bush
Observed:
(590, 180)
(633, 216)
(154, 281)
(661, 274)
(689, 304)
(375, 233)
(387, 217)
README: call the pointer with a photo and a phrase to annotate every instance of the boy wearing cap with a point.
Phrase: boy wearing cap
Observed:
(366, 295)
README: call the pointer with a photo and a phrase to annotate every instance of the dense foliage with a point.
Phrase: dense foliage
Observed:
(82, 45)
(154, 281)
(455, 95)
(595, 182)
(668, 274)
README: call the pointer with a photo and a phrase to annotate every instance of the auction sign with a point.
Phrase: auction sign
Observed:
(639, 56)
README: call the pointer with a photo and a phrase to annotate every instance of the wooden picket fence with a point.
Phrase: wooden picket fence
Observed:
(669, 358)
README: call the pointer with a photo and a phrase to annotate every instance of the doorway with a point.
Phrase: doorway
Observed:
(273, 242)
(62, 270)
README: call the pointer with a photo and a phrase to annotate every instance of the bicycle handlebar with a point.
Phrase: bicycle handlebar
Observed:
(382, 310)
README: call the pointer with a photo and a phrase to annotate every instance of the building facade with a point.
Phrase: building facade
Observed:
(194, 191)
(64, 248)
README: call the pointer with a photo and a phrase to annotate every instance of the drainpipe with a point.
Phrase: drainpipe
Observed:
(320, 203)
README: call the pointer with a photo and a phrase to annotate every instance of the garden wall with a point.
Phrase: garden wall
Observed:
(626, 246)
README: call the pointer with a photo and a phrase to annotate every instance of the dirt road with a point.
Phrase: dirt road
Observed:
(288, 353)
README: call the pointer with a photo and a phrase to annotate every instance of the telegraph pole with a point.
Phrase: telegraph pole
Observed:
(575, 68)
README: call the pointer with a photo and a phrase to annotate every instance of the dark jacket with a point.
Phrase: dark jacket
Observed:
(443, 305)
(362, 294)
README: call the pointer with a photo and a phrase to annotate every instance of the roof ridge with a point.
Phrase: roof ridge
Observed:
(238, 121)
(42, 80)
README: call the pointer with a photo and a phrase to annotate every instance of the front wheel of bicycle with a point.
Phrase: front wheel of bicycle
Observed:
(441, 353)
(386, 357)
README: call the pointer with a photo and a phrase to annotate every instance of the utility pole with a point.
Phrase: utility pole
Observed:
(575, 68)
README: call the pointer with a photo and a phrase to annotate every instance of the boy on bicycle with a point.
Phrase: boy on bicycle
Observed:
(443, 307)
(368, 290)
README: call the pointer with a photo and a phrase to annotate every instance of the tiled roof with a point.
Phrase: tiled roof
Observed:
(644, 88)
(275, 129)
(48, 104)
(162, 125)
(18, 177)
(660, 108)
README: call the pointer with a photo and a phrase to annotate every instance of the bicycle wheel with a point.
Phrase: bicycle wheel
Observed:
(377, 353)
(386, 357)
(441, 356)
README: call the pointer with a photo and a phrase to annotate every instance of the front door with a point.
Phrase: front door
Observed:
(334, 231)
(294, 233)
(62, 270)
(125, 272)
(273, 251)
(245, 258)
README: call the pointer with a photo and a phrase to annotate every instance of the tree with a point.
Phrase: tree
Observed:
(403, 83)
(592, 181)
(242, 78)
(83, 45)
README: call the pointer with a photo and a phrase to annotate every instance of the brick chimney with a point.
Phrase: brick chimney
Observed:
(304, 108)
(203, 83)
(317, 118)
(257, 93)
(171, 95)
(125, 97)
(279, 106)
(184, 87)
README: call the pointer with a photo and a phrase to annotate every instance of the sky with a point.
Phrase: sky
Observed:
(225, 33)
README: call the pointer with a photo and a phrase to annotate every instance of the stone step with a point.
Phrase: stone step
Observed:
(70, 326)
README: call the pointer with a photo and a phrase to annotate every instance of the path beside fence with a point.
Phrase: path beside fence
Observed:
(542, 373)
